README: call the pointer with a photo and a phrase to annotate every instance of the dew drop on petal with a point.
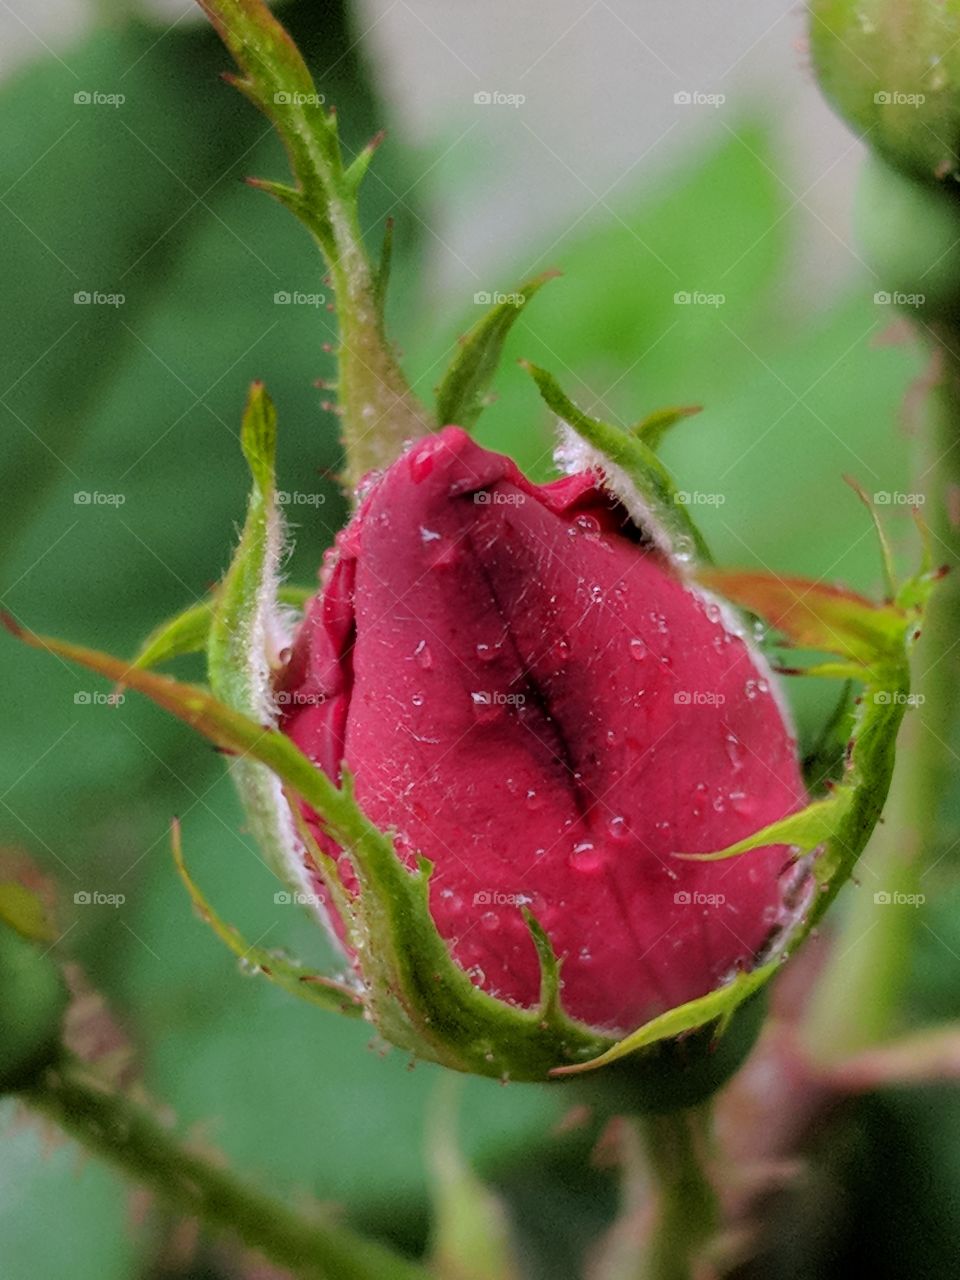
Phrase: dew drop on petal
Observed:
(638, 650)
(490, 921)
(417, 699)
(534, 800)
(486, 652)
(617, 827)
(423, 655)
(587, 858)
(428, 535)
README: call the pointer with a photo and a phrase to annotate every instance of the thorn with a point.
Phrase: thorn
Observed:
(377, 139)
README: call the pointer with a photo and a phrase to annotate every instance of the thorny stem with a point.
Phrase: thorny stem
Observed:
(130, 1137)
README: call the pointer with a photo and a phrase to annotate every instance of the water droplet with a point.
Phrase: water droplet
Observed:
(490, 921)
(638, 650)
(596, 594)
(585, 955)
(586, 857)
(428, 535)
(588, 523)
(713, 612)
(487, 652)
(417, 699)
(743, 804)
(617, 826)
(534, 801)
(736, 751)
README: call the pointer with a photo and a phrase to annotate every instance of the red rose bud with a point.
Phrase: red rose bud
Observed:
(528, 695)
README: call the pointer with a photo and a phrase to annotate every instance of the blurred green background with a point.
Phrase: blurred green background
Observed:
(138, 406)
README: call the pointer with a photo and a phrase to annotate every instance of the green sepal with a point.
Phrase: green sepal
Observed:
(246, 638)
(462, 389)
(315, 988)
(419, 997)
(652, 428)
(189, 631)
(633, 472)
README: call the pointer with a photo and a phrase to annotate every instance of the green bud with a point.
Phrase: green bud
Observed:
(892, 70)
(33, 999)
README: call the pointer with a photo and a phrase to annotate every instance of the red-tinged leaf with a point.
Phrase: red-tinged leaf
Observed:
(816, 615)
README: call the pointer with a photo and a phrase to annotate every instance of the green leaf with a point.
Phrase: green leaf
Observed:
(460, 395)
(633, 472)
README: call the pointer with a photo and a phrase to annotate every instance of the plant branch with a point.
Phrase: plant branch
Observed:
(130, 1137)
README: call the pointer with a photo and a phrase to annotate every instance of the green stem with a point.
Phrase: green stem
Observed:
(129, 1137)
(860, 994)
(686, 1208)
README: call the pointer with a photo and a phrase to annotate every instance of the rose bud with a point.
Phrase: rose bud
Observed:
(528, 694)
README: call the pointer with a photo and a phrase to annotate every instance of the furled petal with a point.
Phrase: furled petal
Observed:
(529, 695)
